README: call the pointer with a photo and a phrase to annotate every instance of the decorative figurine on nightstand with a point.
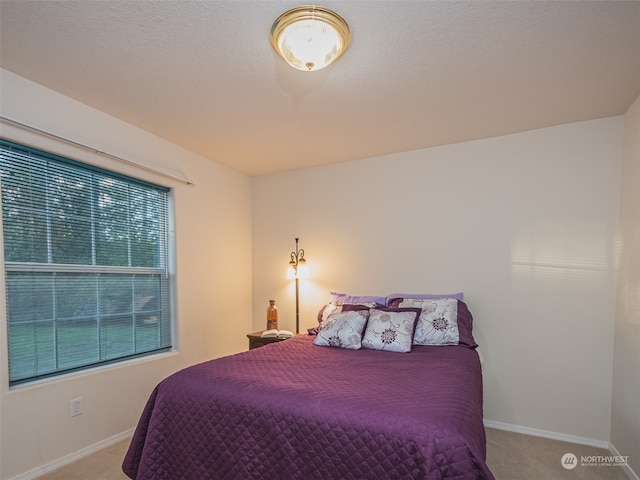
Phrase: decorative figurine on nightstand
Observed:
(272, 316)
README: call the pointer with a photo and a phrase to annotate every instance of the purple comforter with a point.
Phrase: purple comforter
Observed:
(293, 410)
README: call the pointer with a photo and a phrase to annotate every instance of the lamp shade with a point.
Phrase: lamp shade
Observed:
(303, 270)
(310, 37)
(291, 272)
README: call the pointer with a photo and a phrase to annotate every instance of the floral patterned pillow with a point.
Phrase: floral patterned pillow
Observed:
(345, 299)
(438, 321)
(394, 299)
(342, 330)
(335, 307)
(390, 329)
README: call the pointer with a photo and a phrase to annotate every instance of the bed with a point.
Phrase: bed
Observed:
(298, 410)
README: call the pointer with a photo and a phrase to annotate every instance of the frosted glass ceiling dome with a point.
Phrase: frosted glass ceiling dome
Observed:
(309, 37)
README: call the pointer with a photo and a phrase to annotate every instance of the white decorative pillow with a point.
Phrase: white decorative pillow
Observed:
(342, 330)
(438, 322)
(390, 330)
(335, 307)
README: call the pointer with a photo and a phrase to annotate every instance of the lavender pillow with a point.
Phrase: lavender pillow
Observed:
(345, 299)
(394, 299)
(390, 329)
(442, 321)
(342, 330)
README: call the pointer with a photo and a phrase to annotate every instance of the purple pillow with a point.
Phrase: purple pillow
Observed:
(394, 299)
(465, 326)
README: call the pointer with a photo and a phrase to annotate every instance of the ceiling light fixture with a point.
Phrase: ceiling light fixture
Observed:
(309, 37)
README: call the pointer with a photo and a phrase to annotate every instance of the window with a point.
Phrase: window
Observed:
(86, 262)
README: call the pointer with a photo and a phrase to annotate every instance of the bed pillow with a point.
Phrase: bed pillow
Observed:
(342, 330)
(346, 299)
(394, 299)
(335, 307)
(442, 321)
(465, 326)
(390, 329)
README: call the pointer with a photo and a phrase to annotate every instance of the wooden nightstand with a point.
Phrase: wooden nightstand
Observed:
(255, 340)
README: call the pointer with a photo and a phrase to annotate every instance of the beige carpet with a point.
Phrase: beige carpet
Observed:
(510, 456)
(513, 456)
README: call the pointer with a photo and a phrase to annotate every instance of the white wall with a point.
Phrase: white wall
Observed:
(625, 418)
(213, 236)
(524, 224)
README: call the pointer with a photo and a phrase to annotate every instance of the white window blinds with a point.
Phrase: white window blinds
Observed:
(86, 262)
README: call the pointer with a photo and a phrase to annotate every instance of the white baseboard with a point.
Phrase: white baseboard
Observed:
(536, 432)
(627, 469)
(72, 457)
(562, 437)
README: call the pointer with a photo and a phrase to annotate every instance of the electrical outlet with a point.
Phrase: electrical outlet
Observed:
(75, 406)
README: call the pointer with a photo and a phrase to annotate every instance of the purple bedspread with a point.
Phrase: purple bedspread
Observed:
(293, 410)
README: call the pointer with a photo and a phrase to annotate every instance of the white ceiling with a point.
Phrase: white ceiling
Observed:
(417, 74)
